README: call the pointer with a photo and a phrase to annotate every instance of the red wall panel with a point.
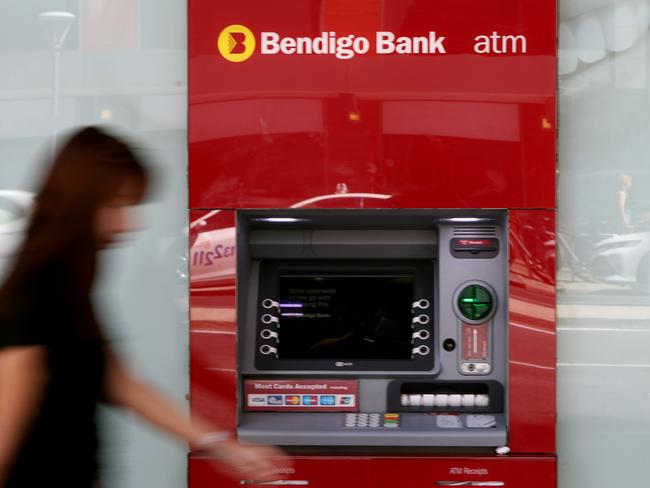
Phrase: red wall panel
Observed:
(532, 334)
(459, 130)
(453, 130)
(396, 472)
(212, 318)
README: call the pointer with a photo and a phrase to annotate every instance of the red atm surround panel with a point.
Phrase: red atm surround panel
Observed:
(380, 131)
(531, 326)
(397, 472)
(531, 371)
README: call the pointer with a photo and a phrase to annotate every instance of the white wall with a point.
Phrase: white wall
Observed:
(123, 64)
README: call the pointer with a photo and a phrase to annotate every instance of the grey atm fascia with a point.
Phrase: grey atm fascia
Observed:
(385, 234)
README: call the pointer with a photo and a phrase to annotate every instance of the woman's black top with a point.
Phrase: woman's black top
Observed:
(60, 448)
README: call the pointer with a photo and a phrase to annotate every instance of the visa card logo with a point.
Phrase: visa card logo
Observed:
(257, 399)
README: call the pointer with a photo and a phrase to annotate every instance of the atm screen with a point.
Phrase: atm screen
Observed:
(345, 317)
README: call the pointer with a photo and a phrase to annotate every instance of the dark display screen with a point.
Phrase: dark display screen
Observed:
(345, 317)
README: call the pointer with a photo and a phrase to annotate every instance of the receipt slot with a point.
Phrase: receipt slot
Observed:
(371, 239)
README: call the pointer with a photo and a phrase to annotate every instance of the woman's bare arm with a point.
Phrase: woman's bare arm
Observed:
(22, 381)
(239, 460)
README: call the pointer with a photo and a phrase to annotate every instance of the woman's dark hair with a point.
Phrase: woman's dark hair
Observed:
(90, 169)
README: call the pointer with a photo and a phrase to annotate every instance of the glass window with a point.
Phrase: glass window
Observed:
(121, 63)
(603, 244)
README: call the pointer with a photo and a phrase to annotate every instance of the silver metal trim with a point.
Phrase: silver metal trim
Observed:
(266, 349)
(269, 334)
(276, 483)
(268, 303)
(470, 483)
(267, 318)
(423, 303)
(422, 350)
(476, 368)
(421, 319)
(421, 334)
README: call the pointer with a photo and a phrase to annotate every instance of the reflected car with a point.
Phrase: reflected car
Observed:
(623, 259)
(15, 208)
(212, 260)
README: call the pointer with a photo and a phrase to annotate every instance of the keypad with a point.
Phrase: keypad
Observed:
(372, 420)
(392, 421)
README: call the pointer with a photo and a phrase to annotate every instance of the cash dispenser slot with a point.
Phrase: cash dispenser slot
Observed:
(443, 396)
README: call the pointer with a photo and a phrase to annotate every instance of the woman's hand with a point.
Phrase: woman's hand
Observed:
(241, 461)
(238, 460)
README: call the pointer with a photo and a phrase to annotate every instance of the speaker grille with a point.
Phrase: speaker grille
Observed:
(475, 231)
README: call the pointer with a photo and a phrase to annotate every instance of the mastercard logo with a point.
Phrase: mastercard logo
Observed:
(236, 43)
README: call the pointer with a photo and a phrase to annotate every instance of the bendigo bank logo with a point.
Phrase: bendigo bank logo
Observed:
(236, 43)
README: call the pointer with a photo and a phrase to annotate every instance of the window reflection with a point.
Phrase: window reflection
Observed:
(603, 244)
(123, 63)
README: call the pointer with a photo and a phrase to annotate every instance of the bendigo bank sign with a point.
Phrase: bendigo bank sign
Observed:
(237, 43)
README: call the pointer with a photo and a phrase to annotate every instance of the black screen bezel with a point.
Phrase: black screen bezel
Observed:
(269, 287)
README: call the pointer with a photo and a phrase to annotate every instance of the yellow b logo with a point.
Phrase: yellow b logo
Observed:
(236, 43)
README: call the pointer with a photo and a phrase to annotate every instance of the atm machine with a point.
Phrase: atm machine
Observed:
(372, 240)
